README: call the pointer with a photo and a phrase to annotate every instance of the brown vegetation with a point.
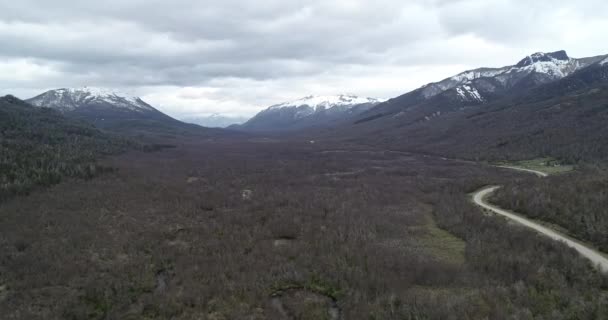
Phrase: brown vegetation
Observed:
(576, 202)
(170, 235)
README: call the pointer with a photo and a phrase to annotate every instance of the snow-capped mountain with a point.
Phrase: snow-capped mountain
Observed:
(215, 120)
(309, 112)
(102, 107)
(326, 102)
(544, 105)
(66, 100)
(483, 85)
(538, 68)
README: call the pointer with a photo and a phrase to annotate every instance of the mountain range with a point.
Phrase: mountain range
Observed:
(465, 90)
(548, 104)
(114, 110)
(545, 99)
(215, 120)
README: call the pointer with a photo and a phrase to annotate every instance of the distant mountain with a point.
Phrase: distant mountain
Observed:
(69, 100)
(108, 109)
(215, 120)
(307, 112)
(546, 105)
(479, 86)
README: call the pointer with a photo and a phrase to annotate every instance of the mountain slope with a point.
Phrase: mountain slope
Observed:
(565, 118)
(483, 85)
(109, 110)
(312, 111)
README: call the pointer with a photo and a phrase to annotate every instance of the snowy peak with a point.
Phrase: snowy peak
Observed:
(554, 57)
(545, 67)
(311, 111)
(326, 102)
(70, 99)
(556, 65)
(106, 109)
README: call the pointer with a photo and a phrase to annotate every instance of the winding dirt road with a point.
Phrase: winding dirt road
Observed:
(597, 258)
(538, 173)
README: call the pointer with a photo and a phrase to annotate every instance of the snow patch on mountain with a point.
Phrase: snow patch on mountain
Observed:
(326, 102)
(544, 57)
(69, 99)
(303, 112)
(554, 67)
(476, 74)
(603, 62)
(468, 92)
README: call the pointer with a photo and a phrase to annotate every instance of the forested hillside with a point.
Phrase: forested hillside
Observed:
(39, 147)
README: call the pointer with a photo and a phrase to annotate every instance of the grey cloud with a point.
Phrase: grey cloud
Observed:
(278, 48)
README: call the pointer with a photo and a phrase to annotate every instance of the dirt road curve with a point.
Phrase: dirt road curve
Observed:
(538, 173)
(595, 256)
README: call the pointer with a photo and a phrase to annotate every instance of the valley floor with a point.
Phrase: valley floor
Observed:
(272, 229)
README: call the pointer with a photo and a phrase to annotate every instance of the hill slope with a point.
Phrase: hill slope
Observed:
(39, 147)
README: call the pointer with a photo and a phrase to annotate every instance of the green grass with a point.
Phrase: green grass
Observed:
(547, 165)
(442, 244)
(314, 284)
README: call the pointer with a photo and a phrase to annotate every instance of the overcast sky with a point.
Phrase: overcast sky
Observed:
(191, 57)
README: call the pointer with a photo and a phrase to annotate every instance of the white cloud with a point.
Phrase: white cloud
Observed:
(25, 70)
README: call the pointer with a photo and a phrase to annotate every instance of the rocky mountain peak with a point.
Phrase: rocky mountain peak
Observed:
(543, 57)
(68, 99)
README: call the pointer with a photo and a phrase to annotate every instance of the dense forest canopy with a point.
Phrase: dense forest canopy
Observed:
(40, 147)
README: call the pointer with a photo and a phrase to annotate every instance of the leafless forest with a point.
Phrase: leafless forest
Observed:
(275, 229)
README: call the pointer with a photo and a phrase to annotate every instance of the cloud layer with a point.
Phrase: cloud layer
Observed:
(234, 57)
